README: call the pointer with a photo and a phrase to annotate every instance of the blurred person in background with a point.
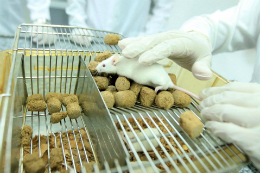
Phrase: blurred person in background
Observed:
(13, 13)
(231, 112)
(130, 18)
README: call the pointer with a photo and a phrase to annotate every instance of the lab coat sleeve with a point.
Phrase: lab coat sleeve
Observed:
(234, 29)
(76, 10)
(158, 17)
(39, 9)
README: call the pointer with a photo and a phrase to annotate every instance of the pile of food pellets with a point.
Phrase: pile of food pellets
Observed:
(119, 91)
(54, 103)
(33, 163)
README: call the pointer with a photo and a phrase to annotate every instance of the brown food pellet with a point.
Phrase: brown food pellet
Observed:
(125, 99)
(191, 124)
(73, 110)
(27, 131)
(58, 116)
(102, 82)
(56, 158)
(173, 78)
(122, 83)
(88, 107)
(136, 88)
(69, 98)
(103, 56)
(111, 89)
(89, 166)
(52, 94)
(111, 39)
(36, 105)
(33, 164)
(164, 100)
(147, 96)
(65, 95)
(108, 98)
(35, 97)
(26, 140)
(84, 97)
(54, 105)
(92, 67)
(181, 99)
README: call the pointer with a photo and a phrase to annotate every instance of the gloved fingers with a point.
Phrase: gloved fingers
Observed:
(233, 86)
(81, 37)
(37, 38)
(40, 40)
(44, 35)
(233, 98)
(83, 41)
(123, 43)
(248, 139)
(46, 39)
(145, 43)
(173, 48)
(226, 131)
(50, 39)
(201, 69)
(245, 117)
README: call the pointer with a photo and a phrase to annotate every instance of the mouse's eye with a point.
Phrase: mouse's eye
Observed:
(104, 65)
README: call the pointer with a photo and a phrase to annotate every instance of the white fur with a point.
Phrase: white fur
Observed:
(153, 75)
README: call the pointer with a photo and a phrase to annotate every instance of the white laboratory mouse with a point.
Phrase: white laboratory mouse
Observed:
(153, 75)
(140, 135)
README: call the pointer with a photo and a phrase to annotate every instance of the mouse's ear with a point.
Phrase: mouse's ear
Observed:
(115, 59)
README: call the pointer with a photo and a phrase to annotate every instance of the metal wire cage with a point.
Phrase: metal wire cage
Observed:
(60, 65)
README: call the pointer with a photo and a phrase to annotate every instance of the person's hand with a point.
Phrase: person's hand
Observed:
(81, 36)
(191, 50)
(43, 34)
(232, 113)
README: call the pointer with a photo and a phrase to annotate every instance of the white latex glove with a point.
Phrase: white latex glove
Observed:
(232, 113)
(49, 35)
(81, 36)
(191, 50)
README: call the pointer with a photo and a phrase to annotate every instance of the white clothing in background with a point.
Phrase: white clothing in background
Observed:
(11, 16)
(234, 29)
(12, 13)
(39, 9)
(131, 18)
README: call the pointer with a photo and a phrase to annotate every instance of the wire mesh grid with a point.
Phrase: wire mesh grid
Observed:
(50, 62)
(175, 151)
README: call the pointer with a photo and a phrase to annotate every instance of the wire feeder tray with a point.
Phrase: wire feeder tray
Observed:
(61, 67)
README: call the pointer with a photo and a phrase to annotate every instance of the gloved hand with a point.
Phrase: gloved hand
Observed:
(81, 36)
(49, 35)
(191, 50)
(232, 113)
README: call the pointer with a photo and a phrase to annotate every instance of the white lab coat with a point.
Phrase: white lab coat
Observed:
(13, 13)
(131, 18)
(234, 29)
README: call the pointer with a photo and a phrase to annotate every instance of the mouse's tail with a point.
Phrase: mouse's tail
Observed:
(185, 91)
